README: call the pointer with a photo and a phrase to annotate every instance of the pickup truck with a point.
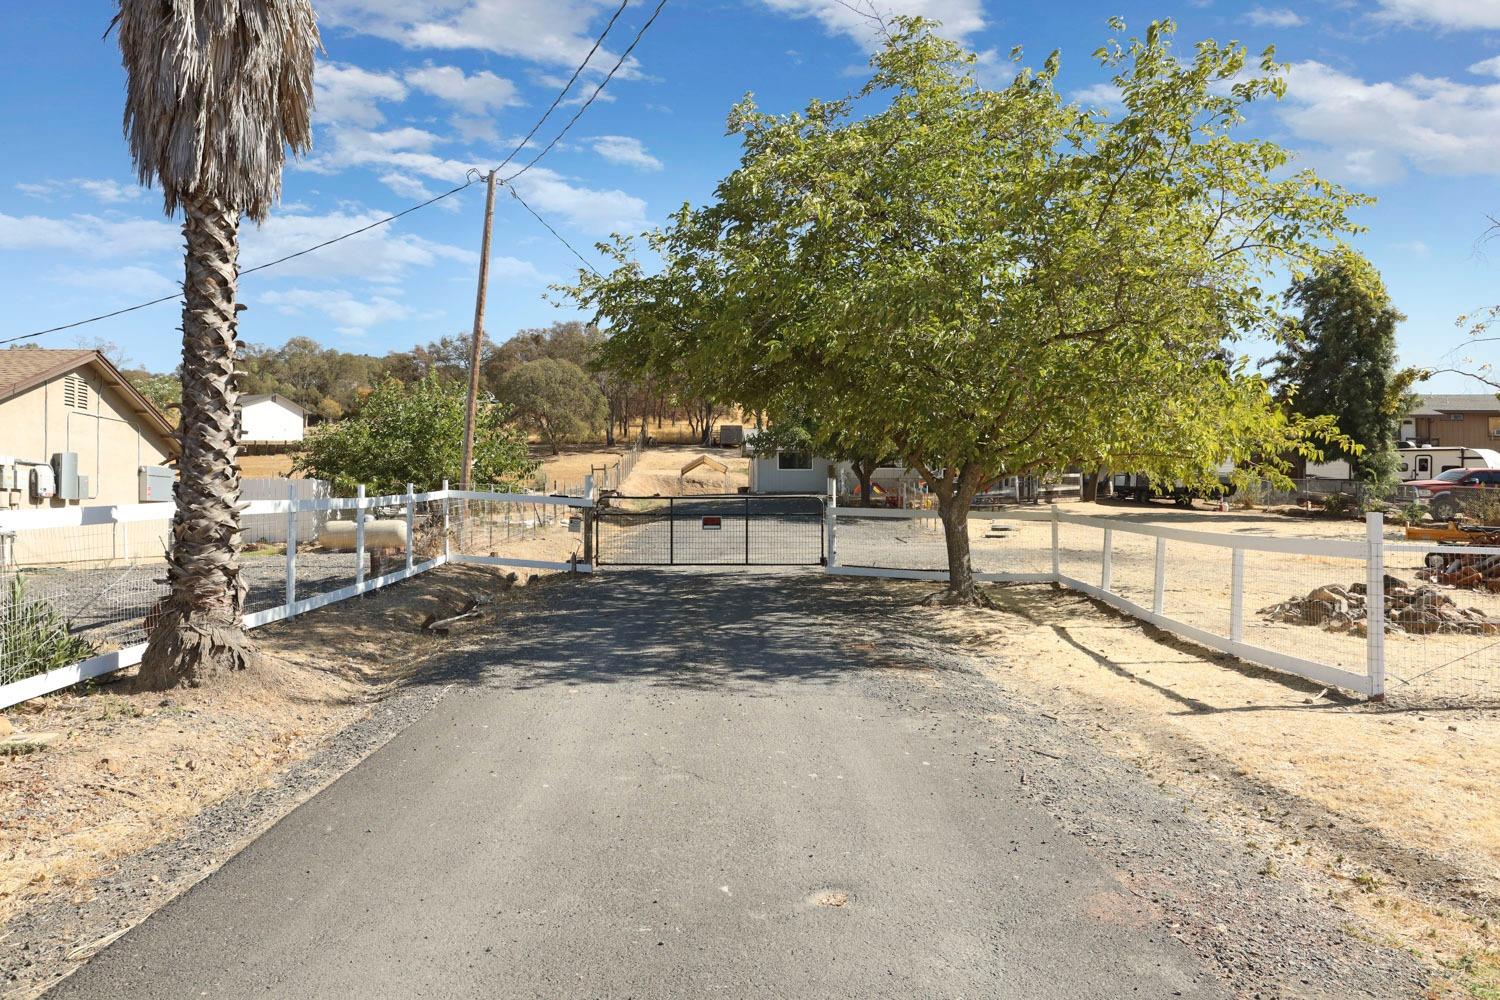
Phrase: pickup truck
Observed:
(1447, 494)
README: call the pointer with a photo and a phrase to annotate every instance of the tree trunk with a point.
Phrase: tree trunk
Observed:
(201, 631)
(955, 492)
(863, 471)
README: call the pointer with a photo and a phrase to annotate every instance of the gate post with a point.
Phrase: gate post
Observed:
(831, 520)
(747, 527)
(671, 532)
(588, 520)
(1375, 604)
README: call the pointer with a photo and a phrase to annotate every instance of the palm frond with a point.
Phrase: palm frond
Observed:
(217, 91)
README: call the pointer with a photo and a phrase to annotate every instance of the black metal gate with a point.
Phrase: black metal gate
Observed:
(709, 531)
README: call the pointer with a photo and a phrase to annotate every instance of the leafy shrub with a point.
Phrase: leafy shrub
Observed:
(1338, 504)
(34, 638)
(1409, 513)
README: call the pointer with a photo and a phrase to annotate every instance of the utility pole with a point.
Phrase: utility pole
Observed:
(476, 351)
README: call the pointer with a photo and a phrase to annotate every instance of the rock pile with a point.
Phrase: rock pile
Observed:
(1408, 610)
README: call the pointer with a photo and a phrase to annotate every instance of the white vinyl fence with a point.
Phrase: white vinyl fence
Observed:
(80, 586)
(1299, 605)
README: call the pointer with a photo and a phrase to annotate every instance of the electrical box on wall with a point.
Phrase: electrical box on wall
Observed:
(65, 475)
(9, 480)
(85, 492)
(43, 483)
(156, 483)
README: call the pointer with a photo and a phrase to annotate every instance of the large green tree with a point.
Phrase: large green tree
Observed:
(557, 399)
(215, 93)
(995, 281)
(413, 433)
(1339, 359)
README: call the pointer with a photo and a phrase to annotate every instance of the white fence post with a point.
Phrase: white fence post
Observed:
(1375, 604)
(1159, 590)
(833, 521)
(1237, 594)
(445, 520)
(411, 520)
(1056, 562)
(1107, 567)
(291, 544)
(359, 535)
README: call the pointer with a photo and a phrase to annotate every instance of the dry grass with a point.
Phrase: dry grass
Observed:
(1396, 815)
(267, 467)
(131, 769)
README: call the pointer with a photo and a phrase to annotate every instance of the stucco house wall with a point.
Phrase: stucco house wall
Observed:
(86, 407)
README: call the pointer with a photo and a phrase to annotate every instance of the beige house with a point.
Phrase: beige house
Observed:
(72, 425)
(1456, 420)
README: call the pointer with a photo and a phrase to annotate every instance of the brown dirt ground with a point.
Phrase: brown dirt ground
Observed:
(267, 466)
(658, 473)
(129, 770)
(1393, 814)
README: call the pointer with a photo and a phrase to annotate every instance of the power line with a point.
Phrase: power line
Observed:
(602, 83)
(517, 195)
(436, 198)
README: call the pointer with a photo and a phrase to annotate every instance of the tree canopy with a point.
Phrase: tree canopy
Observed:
(995, 281)
(413, 433)
(557, 399)
(1339, 358)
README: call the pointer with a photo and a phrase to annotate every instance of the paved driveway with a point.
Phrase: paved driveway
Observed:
(664, 784)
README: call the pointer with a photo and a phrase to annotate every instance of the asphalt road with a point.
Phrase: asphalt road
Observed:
(661, 784)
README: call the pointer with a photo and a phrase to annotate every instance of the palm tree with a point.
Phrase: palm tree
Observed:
(216, 91)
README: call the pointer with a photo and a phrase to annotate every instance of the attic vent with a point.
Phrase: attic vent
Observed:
(76, 393)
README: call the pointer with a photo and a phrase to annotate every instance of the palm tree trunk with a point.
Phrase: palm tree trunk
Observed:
(201, 631)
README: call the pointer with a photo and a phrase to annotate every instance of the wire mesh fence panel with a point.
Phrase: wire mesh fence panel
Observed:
(1442, 644)
(326, 557)
(263, 563)
(1080, 552)
(870, 541)
(1011, 542)
(1132, 568)
(69, 593)
(1308, 606)
(1197, 585)
(513, 530)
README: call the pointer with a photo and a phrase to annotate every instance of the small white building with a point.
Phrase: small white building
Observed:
(789, 472)
(271, 419)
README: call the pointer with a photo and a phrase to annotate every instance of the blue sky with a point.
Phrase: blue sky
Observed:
(1398, 98)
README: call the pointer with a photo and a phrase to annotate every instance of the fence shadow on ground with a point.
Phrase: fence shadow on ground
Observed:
(685, 630)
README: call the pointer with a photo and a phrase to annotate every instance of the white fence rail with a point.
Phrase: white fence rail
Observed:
(1357, 613)
(91, 579)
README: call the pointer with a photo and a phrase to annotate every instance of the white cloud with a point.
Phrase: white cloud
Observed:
(350, 95)
(88, 235)
(1444, 14)
(479, 93)
(1375, 132)
(383, 255)
(1487, 67)
(351, 316)
(588, 209)
(1274, 17)
(627, 150)
(1099, 95)
(110, 192)
(558, 32)
(960, 18)
(404, 152)
(131, 281)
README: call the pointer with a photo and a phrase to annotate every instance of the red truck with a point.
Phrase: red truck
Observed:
(1451, 490)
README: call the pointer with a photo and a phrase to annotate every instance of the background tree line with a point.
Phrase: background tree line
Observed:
(553, 380)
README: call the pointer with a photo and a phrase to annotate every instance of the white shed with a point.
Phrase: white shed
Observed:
(271, 419)
(789, 472)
